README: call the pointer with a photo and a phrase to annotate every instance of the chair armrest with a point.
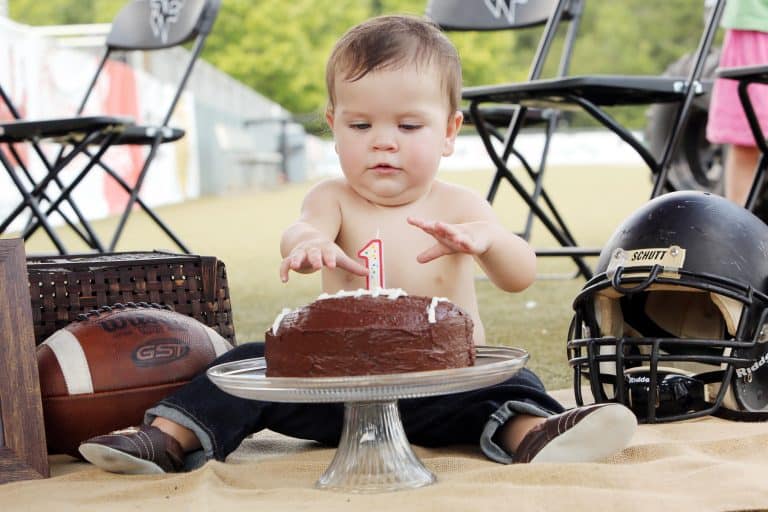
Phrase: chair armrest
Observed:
(747, 73)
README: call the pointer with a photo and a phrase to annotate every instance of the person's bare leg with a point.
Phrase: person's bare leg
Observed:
(582, 434)
(515, 430)
(740, 166)
(185, 437)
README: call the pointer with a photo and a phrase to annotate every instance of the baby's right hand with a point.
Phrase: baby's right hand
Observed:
(312, 255)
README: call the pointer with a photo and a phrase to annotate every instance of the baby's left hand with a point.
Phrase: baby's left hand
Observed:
(469, 238)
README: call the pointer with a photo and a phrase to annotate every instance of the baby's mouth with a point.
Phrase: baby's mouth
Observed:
(384, 168)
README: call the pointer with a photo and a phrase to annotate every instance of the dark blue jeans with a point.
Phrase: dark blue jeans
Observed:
(222, 421)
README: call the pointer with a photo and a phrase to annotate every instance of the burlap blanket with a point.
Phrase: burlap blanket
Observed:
(706, 464)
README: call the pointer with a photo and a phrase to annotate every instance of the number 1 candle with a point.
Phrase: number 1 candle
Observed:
(373, 255)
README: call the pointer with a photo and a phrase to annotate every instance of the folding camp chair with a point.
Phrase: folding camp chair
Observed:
(142, 25)
(593, 94)
(88, 129)
(461, 15)
(746, 76)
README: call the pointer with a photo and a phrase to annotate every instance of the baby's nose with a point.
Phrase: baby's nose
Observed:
(384, 140)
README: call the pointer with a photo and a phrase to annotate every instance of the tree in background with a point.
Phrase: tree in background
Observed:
(63, 12)
(279, 47)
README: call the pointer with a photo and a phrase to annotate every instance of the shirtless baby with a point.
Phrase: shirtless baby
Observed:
(394, 86)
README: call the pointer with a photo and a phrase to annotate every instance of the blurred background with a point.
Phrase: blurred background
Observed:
(255, 142)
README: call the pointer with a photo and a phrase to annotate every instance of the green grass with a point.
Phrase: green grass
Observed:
(243, 231)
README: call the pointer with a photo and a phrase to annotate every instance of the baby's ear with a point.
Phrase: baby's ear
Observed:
(329, 118)
(454, 125)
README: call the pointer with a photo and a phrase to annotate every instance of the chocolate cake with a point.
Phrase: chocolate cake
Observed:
(366, 333)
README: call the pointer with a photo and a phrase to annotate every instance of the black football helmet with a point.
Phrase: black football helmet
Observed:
(673, 325)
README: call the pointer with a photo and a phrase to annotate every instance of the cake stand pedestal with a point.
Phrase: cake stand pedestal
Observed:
(374, 454)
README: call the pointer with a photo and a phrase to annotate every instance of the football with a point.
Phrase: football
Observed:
(101, 372)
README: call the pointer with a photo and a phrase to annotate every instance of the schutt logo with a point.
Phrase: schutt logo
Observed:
(159, 352)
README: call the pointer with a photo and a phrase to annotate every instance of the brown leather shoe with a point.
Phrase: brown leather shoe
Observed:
(581, 434)
(135, 450)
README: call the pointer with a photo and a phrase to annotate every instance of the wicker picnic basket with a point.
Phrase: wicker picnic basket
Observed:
(63, 287)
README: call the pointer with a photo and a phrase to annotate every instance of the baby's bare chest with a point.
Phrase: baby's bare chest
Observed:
(397, 243)
(400, 244)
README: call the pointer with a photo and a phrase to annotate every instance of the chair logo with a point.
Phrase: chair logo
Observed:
(505, 7)
(161, 14)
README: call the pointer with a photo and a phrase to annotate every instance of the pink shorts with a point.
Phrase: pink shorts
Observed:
(727, 123)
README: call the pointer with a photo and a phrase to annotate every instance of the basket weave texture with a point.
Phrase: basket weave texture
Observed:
(63, 287)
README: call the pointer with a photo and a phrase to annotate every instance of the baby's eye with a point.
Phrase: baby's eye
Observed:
(409, 126)
(359, 126)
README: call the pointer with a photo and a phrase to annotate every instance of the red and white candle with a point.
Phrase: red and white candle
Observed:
(373, 254)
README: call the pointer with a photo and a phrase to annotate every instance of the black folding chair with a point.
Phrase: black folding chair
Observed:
(590, 93)
(142, 25)
(746, 76)
(463, 15)
(84, 130)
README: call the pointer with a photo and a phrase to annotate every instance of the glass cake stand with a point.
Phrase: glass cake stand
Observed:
(374, 454)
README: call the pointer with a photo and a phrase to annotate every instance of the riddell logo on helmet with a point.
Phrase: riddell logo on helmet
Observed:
(638, 380)
(158, 352)
(747, 372)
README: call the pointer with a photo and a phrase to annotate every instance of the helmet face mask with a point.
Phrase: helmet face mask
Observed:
(672, 324)
(672, 394)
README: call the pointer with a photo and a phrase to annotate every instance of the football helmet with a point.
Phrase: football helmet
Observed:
(672, 325)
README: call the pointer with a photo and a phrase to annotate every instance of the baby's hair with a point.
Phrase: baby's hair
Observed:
(391, 42)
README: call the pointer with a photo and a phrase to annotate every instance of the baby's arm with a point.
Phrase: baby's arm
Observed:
(308, 244)
(507, 260)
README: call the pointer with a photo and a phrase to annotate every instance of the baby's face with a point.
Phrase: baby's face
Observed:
(391, 128)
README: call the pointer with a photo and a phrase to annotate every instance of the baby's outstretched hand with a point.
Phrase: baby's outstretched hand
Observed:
(469, 238)
(312, 255)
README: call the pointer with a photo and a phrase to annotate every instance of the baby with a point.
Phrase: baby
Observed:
(394, 86)
(393, 110)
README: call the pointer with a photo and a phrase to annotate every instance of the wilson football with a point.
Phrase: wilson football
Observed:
(100, 373)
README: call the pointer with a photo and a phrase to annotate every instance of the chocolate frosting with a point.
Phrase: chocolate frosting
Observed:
(365, 335)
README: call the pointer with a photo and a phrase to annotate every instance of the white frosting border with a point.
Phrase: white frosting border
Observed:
(432, 307)
(390, 293)
(279, 320)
